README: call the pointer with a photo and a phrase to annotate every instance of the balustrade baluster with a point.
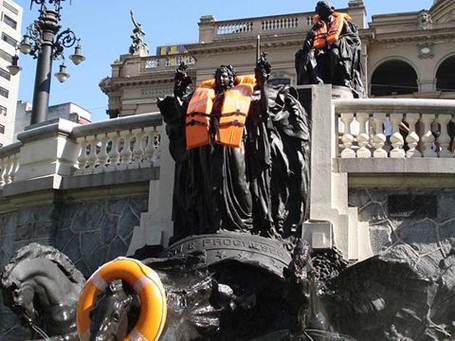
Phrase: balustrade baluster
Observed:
(428, 139)
(444, 138)
(397, 139)
(379, 138)
(15, 166)
(9, 169)
(138, 150)
(114, 154)
(150, 147)
(412, 139)
(103, 155)
(157, 148)
(92, 157)
(126, 153)
(82, 159)
(363, 138)
(347, 139)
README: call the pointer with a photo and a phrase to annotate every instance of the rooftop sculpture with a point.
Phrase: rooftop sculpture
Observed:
(138, 46)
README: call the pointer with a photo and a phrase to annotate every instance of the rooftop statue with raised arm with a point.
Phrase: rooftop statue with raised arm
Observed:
(331, 53)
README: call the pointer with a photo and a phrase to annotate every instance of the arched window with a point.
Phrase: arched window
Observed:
(445, 76)
(394, 77)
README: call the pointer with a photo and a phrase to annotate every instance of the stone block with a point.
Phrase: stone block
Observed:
(117, 248)
(422, 232)
(319, 234)
(446, 205)
(447, 231)
(380, 238)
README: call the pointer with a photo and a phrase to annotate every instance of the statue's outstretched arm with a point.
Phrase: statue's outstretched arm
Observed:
(133, 19)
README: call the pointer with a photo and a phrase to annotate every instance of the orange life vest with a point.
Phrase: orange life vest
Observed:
(235, 108)
(324, 35)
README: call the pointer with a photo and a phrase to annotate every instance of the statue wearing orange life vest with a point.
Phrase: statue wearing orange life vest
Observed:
(225, 126)
(327, 34)
(237, 145)
(331, 53)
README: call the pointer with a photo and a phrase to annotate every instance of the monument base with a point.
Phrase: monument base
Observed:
(270, 254)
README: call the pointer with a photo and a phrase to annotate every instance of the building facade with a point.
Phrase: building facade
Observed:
(405, 54)
(10, 31)
(68, 111)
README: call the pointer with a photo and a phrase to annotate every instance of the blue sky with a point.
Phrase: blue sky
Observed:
(105, 27)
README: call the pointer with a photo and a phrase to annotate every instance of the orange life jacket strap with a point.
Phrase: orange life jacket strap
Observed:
(337, 26)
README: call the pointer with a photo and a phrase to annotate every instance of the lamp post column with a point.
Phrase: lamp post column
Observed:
(49, 26)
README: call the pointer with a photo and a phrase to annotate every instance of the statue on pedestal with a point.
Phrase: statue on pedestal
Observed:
(331, 53)
(242, 154)
(138, 46)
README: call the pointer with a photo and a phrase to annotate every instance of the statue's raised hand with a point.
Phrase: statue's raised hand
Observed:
(262, 70)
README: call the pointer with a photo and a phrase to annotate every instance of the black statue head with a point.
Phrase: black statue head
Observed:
(224, 78)
(324, 9)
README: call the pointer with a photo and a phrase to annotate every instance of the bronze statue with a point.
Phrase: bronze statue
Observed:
(42, 286)
(257, 183)
(138, 35)
(331, 53)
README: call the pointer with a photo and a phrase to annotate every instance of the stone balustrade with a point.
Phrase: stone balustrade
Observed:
(124, 143)
(65, 149)
(395, 128)
(9, 163)
(263, 25)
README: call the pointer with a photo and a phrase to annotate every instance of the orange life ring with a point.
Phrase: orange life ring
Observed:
(147, 285)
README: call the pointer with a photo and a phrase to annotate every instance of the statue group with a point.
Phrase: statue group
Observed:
(242, 154)
(237, 267)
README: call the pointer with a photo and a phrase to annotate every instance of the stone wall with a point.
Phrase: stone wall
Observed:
(90, 232)
(406, 215)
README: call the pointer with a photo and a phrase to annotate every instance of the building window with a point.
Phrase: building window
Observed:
(9, 21)
(10, 40)
(3, 110)
(2, 129)
(10, 7)
(4, 92)
(5, 74)
(6, 56)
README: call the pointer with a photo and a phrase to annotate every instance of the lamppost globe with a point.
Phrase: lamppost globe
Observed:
(77, 57)
(14, 68)
(26, 45)
(62, 75)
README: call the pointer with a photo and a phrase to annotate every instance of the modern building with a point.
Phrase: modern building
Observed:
(406, 54)
(69, 111)
(10, 31)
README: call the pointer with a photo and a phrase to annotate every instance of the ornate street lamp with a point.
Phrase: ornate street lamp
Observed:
(46, 43)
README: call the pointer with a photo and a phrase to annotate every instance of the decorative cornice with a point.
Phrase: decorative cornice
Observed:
(411, 36)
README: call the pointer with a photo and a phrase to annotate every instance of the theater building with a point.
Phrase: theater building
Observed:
(408, 54)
